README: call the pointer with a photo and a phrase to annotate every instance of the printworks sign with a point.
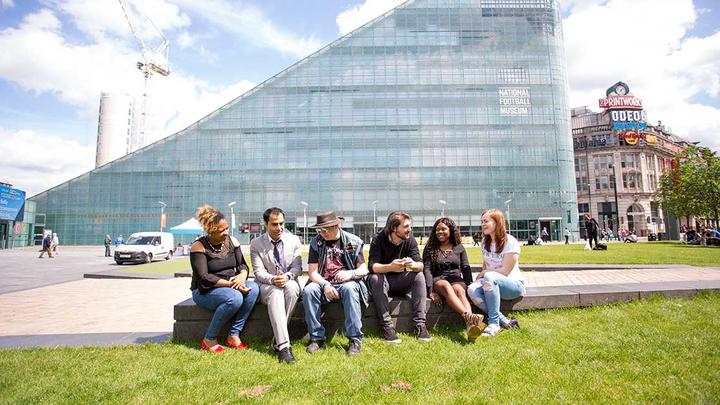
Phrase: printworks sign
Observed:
(626, 110)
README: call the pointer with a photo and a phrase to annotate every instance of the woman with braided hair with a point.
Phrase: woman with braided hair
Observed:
(219, 280)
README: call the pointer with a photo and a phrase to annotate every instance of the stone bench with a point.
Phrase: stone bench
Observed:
(191, 320)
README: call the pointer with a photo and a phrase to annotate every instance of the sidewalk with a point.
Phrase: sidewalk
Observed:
(107, 311)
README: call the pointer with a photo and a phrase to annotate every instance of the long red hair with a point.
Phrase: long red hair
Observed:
(500, 235)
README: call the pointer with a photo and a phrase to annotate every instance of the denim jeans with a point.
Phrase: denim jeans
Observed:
(488, 298)
(228, 303)
(349, 292)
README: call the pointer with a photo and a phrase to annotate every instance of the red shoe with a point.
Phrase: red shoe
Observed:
(241, 346)
(218, 349)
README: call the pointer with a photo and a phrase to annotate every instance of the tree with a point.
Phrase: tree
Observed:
(692, 185)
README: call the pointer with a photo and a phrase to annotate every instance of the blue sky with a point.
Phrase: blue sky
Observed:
(58, 55)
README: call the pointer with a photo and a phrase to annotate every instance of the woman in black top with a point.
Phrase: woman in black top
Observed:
(447, 273)
(219, 280)
(591, 229)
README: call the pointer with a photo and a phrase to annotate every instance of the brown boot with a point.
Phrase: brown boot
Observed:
(474, 324)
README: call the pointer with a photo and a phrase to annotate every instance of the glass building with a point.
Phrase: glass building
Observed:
(438, 106)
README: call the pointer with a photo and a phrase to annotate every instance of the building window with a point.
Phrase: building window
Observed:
(630, 161)
(602, 162)
(602, 183)
(581, 183)
(580, 164)
(652, 181)
(632, 180)
(583, 208)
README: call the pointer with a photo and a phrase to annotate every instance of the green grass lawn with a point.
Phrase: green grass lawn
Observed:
(617, 253)
(659, 351)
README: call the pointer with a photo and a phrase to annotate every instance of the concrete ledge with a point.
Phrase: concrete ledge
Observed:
(126, 276)
(191, 320)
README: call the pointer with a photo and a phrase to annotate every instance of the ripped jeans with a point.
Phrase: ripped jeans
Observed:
(487, 292)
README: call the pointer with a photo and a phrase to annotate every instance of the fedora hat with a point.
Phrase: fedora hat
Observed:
(327, 219)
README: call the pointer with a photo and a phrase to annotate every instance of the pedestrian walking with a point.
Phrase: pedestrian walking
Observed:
(567, 236)
(46, 245)
(55, 243)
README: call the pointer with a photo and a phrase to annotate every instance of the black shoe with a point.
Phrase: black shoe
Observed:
(314, 346)
(285, 356)
(421, 332)
(389, 335)
(354, 347)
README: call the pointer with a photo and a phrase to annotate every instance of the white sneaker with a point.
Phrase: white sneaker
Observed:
(492, 329)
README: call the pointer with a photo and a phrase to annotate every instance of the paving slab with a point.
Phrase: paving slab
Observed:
(83, 339)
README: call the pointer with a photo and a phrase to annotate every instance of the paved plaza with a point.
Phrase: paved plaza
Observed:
(47, 302)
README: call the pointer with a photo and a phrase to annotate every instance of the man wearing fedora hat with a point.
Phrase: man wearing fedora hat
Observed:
(397, 268)
(336, 267)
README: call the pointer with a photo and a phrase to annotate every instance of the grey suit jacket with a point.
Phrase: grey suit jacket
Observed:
(263, 260)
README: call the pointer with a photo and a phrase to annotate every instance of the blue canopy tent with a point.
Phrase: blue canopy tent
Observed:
(190, 227)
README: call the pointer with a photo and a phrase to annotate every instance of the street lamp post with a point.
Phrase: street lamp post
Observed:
(442, 202)
(617, 208)
(162, 213)
(507, 206)
(232, 218)
(305, 206)
(374, 204)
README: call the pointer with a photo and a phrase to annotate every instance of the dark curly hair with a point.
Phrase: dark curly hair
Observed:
(433, 244)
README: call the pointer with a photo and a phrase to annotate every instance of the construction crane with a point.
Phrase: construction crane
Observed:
(152, 62)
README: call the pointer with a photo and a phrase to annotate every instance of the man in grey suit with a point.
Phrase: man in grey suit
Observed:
(277, 265)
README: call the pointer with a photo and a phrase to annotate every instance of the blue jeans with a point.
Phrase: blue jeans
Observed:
(487, 292)
(349, 292)
(227, 303)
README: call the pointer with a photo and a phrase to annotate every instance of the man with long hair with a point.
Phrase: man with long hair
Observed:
(396, 268)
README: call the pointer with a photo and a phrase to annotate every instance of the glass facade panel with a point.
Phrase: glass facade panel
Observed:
(464, 101)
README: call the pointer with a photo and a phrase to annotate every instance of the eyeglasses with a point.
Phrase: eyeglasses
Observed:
(323, 230)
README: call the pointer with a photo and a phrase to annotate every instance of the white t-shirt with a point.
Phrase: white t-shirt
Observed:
(494, 260)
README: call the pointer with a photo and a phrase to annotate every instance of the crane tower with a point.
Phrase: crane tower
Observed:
(154, 61)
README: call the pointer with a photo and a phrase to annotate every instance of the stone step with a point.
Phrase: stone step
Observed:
(192, 320)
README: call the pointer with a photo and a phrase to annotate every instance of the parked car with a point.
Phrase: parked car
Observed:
(144, 247)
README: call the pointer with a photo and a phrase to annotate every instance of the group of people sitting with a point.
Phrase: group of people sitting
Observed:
(338, 271)
(705, 236)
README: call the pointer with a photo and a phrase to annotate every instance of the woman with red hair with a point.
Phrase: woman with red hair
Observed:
(500, 277)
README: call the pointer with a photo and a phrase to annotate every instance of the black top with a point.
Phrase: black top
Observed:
(591, 226)
(454, 263)
(384, 251)
(208, 267)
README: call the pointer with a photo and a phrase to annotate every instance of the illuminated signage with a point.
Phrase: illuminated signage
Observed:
(651, 139)
(631, 137)
(621, 102)
(514, 100)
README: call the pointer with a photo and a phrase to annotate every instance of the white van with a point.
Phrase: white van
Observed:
(144, 247)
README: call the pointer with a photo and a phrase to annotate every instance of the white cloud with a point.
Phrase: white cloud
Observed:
(251, 25)
(7, 3)
(645, 44)
(38, 56)
(103, 18)
(359, 15)
(35, 162)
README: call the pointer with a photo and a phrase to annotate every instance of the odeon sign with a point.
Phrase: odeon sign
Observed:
(625, 109)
